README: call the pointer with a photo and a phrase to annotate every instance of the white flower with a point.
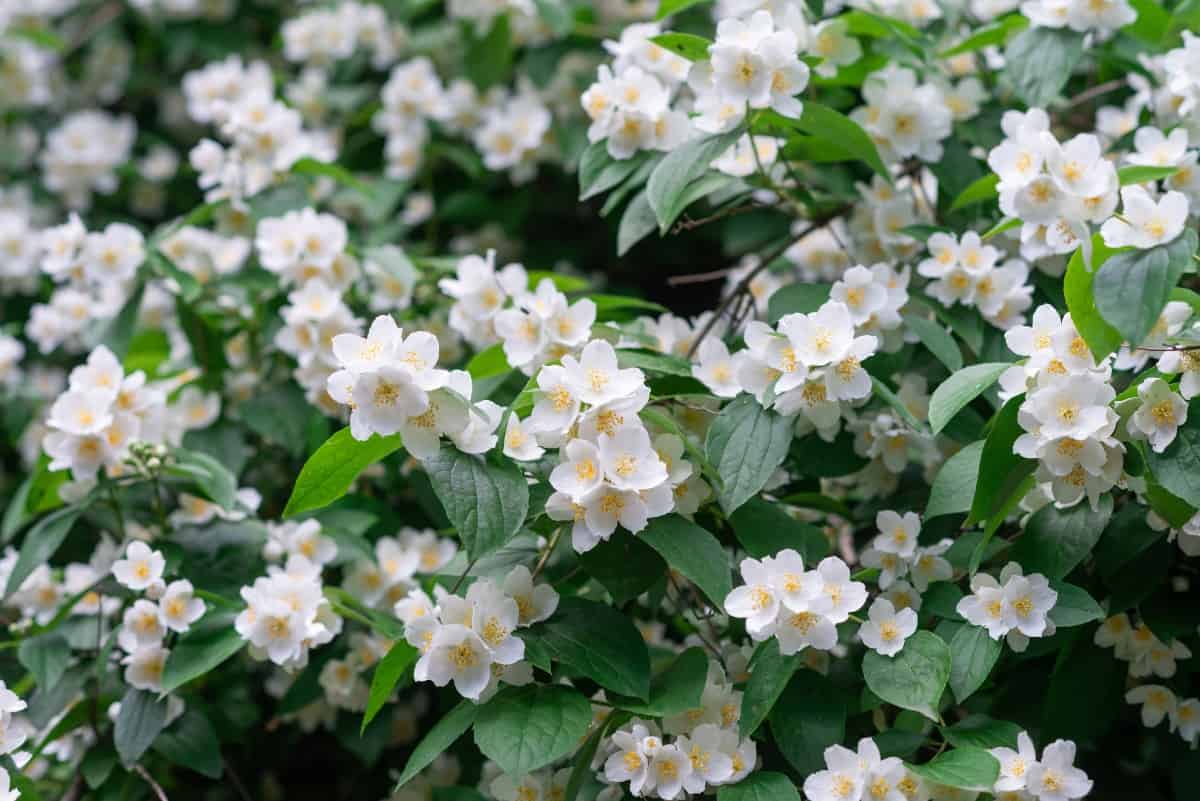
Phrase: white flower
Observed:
(840, 596)
(140, 568)
(144, 667)
(670, 767)
(629, 762)
(1014, 765)
(897, 535)
(842, 780)
(886, 629)
(1055, 777)
(595, 377)
(178, 606)
(141, 625)
(384, 401)
(495, 619)
(1159, 416)
(709, 764)
(1144, 222)
(456, 653)
(535, 603)
(756, 601)
(716, 369)
(1156, 701)
(629, 461)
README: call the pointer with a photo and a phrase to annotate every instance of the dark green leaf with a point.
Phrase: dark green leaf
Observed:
(797, 298)
(624, 565)
(1177, 468)
(46, 656)
(526, 728)
(694, 552)
(954, 485)
(958, 390)
(139, 722)
(965, 768)
(760, 786)
(1074, 606)
(973, 654)
(764, 529)
(746, 443)
(211, 641)
(667, 185)
(770, 673)
(192, 743)
(1039, 61)
(980, 731)
(1056, 540)
(935, 338)
(596, 640)
(675, 690)
(809, 717)
(914, 678)
(1132, 287)
(41, 543)
(486, 502)
(387, 675)
(443, 734)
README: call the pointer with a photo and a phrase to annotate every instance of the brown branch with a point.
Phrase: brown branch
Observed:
(1096, 91)
(155, 786)
(688, 224)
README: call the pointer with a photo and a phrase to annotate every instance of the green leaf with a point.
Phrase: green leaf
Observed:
(488, 60)
(965, 768)
(46, 656)
(625, 566)
(1176, 469)
(139, 722)
(973, 654)
(935, 338)
(761, 785)
(206, 645)
(40, 544)
(809, 717)
(694, 552)
(980, 731)
(191, 742)
(599, 171)
(833, 126)
(486, 502)
(993, 34)
(207, 474)
(668, 183)
(1125, 537)
(1132, 287)
(745, 444)
(1140, 174)
(675, 690)
(668, 7)
(488, 362)
(280, 415)
(637, 222)
(606, 305)
(913, 679)
(329, 472)
(443, 735)
(387, 675)
(888, 396)
(596, 640)
(1039, 61)
(687, 45)
(764, 529)
(979, 191)
(1000, 470)
(770, 673)
(526, 728)
(1056, 540)
(954, 485)
(798, 298)
(1001, 227)
(1074, 606)
(119, 331)
(1100, 337)
(961, 388)
(1083, 675)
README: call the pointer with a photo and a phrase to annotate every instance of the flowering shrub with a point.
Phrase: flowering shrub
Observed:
(347, 450)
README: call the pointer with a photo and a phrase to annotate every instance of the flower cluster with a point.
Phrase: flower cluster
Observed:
(388, 579)
(1066, 415)
(1146, 654)
(1054, 777)
(83, 153)
(11, 737)
(800, 608)
(471, 640)
(904, 117)
(148, 621)
(964, 270)
(897, 554)
(1017, 606)
(705, 750)
(287, 614)
(611, 472)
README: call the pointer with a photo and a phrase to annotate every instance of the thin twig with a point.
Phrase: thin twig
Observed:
(546, 553)
(236, 780)
(145, 774)
(463, 577)
(687, 223)
(700, 278)
(1096, 91)
(104, 15)
(1170, 349)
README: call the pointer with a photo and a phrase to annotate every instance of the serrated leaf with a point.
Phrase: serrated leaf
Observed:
(763, 528)
(913, 679)
(1074, 606)
(675, 690)
(1039, 62)
(694, 552)
(959, 389)
(487, 503)
(973, 654)
(1132, 287)
(1056, 540)
(745, 444)
(526, 728)
(1177, 468)
(761, 785)
(665, 191)
(596, 640)
(139, 722)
